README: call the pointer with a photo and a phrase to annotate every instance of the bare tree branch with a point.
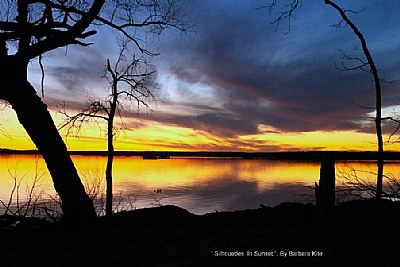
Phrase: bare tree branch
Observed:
(360, 64)
(354, 184)
(395, 120)
(74, 123)
(42, 70)
(286, 13)
(44, 25)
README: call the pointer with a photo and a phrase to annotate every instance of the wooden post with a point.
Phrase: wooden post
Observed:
(325, 191)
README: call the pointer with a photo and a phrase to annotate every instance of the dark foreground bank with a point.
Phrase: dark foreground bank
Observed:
(360, 233)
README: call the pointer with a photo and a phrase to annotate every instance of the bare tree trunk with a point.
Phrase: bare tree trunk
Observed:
(110, 145)
(110, 158)
(32, 113)
(378, 95)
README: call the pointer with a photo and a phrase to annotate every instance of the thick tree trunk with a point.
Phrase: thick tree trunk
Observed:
(32, 113)
(325, 191)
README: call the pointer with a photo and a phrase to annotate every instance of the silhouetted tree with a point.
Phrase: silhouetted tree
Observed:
(378, 91)
(29, 29)
(130, 80)
(287, 13)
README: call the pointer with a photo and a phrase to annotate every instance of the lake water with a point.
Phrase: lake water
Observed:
(200, 185)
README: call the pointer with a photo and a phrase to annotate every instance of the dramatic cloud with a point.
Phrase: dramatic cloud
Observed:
(287, 81)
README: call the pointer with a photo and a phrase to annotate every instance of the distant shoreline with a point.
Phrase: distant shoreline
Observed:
(298, 155)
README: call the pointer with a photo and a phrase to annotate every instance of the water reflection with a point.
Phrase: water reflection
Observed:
(210, 185)
(23, 171)
(199, 185)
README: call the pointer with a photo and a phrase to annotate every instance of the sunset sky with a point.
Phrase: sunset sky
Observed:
(236, 83)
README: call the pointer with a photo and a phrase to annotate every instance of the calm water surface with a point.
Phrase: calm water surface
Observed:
(199, 185)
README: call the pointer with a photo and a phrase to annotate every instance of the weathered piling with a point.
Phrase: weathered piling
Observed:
(325, 191)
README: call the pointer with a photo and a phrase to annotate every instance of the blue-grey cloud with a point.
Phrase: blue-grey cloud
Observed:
(287, 81)
(83, 73)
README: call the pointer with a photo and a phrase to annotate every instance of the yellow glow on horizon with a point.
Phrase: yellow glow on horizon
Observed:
(12, 134)
(156, 136)
(151, 137)
(335, 140)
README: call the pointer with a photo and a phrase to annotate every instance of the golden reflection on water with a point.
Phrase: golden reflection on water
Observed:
(189, 181)
(154, 174)
(24, 170)
(366, 170)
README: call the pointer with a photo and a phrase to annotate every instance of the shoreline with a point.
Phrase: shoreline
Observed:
(359, 233)
(295, 155)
